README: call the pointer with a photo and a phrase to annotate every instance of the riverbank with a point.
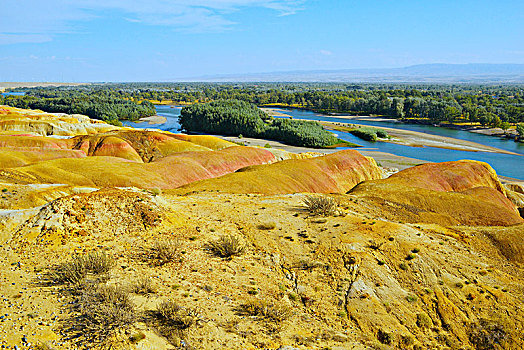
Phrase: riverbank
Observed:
(152, 120)
(495, 132)
(385, 160)
(419, 139)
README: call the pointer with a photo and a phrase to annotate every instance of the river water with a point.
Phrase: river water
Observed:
(505, 164)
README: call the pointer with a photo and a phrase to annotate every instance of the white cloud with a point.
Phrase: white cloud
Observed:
(326, 52)
(38, 21)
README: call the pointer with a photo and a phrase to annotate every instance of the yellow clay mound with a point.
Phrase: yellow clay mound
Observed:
(138, 145)
(105, 211)
(449, 176)
(169, 172)
(337, 172)
(208, 141)
(40, 123)
(450, 193)
(12, 158)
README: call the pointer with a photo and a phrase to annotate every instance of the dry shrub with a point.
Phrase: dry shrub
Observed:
(267, 226)
(164, 251)
(176, 316)
(226, 246)
(276, 313)
(76, 270)
(103, 311)
(143, 286)
(172, 320)
(321, 205)
(488, 335)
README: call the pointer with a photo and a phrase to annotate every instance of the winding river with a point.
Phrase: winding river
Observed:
(505, 164)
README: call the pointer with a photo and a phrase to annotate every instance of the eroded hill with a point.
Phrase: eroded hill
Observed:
(169, 241)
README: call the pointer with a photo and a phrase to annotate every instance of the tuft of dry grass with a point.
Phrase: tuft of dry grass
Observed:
(76, 270)
(488, 334)
(276, 313)
(321, 205)
(226, 246)
(176, 316)
(267, 226)
(143, 286)
(173, 320)
(103, 311)
(164, 251)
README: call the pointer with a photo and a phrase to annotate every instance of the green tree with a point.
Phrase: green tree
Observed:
(520, 130)
(505, 126)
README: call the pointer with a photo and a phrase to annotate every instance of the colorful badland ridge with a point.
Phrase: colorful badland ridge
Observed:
(429, 258)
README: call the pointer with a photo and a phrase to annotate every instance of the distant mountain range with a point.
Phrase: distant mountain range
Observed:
(422, 73)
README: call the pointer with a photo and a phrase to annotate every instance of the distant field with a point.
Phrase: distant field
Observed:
(10, 85)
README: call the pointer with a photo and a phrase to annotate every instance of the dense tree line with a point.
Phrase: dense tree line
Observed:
(485, 104)
(99, 106)
(234, 117)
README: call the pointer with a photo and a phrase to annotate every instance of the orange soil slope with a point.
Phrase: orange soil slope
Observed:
(168, 172)
(337, 172)
(140, 146)
(450, 193)
(449, 176)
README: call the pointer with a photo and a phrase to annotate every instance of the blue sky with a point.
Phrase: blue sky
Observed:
(159, 40)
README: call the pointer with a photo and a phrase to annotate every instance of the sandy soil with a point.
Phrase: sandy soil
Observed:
(153, 120)
(281, 113)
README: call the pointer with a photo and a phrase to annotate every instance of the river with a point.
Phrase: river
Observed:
(505, 164)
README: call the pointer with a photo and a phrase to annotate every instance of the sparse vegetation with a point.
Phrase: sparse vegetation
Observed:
(375, 245)
(175, 316)
(101, 312)
(143, 286)
(384, 337)
(227, 246)
(173, 320)
(423, 320)
(76, 270)
(274, 312)
(321, 205)
(411, 298)
(135, 338)
(487, 335)
(267, 225)
(164, 251)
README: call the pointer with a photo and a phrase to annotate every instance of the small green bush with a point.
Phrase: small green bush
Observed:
(411, 298)
(369, 134)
